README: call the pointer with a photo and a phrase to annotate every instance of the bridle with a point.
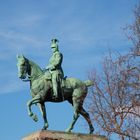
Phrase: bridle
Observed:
(27, 71)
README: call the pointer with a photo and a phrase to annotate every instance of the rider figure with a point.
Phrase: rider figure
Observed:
(55, 67)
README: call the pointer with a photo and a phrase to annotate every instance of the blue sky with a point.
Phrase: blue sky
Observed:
(86, 30)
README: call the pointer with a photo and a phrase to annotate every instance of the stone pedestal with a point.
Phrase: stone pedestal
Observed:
(56, 135)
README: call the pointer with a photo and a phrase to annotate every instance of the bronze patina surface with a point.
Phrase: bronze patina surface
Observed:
(50, 85)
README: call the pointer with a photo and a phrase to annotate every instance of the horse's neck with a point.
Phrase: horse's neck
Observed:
(35, 69)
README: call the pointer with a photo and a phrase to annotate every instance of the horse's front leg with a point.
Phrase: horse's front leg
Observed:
(35, 100)
(43, 112)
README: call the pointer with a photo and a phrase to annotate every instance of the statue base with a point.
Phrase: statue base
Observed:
(57, 135)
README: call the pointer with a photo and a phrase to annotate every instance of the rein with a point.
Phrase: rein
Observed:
(30, 78)
(28, 72)
(27, 80)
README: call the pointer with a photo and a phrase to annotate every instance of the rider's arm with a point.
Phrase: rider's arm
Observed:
(58, 59)
(56, 62)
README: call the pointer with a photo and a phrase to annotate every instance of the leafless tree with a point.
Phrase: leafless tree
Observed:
(114, 102)
(133, 31)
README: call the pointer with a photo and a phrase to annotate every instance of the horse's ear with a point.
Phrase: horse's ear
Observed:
(18, 56)
(22, 56)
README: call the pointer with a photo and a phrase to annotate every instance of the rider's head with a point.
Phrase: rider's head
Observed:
(54, 44)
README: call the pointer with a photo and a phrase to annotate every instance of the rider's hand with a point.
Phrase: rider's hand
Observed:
(47, 67)
(50, 67)
(44, 69)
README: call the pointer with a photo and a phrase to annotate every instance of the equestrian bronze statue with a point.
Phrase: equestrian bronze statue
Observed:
(44, 88)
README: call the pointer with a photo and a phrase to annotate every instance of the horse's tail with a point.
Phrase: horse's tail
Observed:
(88, 83)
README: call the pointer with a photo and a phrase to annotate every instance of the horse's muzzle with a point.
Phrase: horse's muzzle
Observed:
(21, 76)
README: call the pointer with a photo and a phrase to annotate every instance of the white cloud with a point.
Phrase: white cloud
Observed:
(10, 83)
(11, 35)
(77, 36)
(11, 87)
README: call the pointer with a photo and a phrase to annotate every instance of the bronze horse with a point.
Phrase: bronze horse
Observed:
(73, 90)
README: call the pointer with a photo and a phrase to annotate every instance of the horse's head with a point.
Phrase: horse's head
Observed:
(23, 66)
(28, 68)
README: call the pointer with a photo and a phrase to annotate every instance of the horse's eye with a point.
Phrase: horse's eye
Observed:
(23, 64)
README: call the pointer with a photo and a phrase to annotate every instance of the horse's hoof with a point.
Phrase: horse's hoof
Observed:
(34, 117)
(30, 114)
(44, 128)
(91, 131)
(68, 130)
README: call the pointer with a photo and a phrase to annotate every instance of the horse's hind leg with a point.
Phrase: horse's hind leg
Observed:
(76, 104)
(43, 112)
(75, 117)
(86, 116)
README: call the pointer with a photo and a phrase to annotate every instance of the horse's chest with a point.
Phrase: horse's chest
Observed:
(37, 87)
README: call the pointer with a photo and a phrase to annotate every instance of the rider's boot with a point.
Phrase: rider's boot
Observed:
(55, 92)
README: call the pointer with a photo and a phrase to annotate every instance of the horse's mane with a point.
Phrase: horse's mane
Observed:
(35, 66)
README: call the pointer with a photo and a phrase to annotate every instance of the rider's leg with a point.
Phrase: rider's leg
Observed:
(55, 85)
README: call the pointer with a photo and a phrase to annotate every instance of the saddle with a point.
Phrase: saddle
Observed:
(48, 76)
(64, 85)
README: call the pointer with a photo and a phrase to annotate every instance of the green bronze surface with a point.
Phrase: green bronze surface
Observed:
(50, 86)
(55, 68)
